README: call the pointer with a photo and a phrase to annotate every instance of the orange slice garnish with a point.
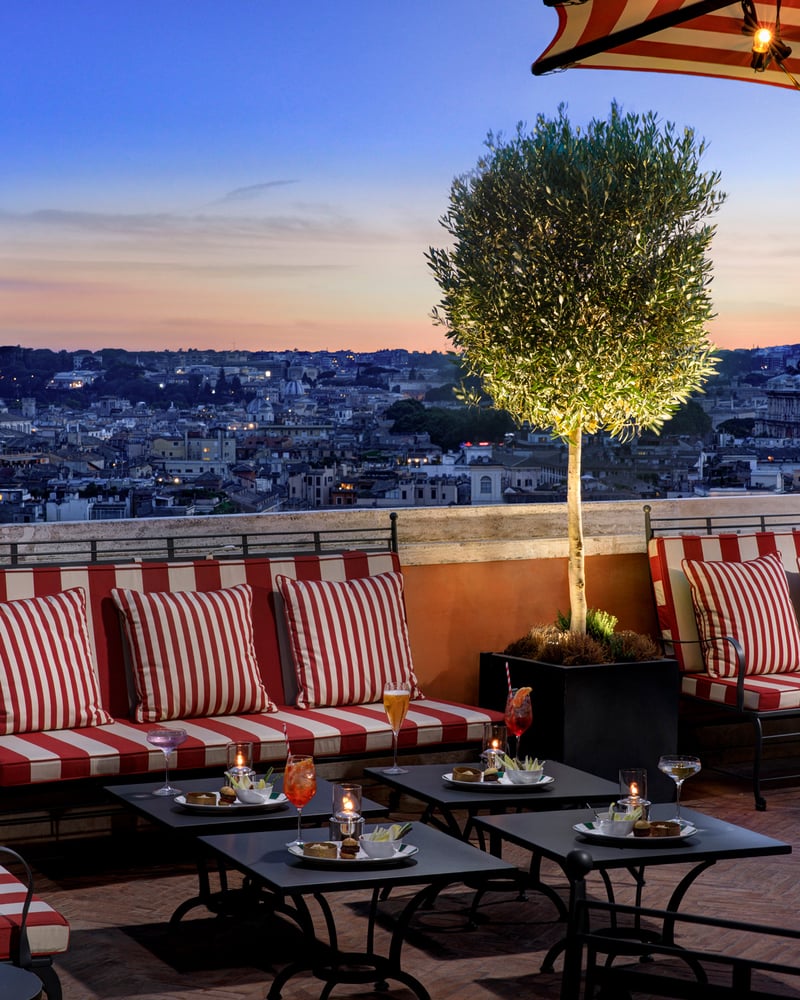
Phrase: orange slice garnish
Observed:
(520, 696)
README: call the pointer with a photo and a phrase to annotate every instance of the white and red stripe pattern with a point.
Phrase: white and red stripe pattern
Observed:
(122, 748)
(676, 615)
(192, 654)
(614, 34)
(47, 673)
(48, 930)
(766, 693)
(748, 601)
(348, 638)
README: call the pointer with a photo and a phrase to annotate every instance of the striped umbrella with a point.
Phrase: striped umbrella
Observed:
(746, 40)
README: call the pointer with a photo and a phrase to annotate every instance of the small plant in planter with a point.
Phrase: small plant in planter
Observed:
(601, 643)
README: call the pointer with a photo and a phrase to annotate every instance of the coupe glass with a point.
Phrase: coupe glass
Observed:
(519, 712)
(395, 702)
(299, 787)
(166, 740)
(679, 768)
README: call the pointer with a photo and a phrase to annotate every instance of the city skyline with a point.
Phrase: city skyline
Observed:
(265, 176)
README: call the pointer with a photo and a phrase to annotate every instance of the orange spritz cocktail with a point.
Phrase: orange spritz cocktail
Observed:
(299, 786)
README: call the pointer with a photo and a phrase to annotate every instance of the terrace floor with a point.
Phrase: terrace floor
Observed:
(118, 895)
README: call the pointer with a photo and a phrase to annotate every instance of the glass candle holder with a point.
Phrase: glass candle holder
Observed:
(495, 737)
(346, 801)
(633, 785)
(341, 828)
(239, 757)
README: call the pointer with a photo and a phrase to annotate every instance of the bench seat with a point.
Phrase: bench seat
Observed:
(119, 748)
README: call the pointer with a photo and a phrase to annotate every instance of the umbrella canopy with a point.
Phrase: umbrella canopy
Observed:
(702, 37)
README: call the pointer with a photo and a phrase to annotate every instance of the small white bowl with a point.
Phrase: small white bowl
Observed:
(377, 848)
(518, 777)
(254, 796)
(614, 827)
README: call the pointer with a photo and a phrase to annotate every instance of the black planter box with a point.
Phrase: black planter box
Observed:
(599, 718)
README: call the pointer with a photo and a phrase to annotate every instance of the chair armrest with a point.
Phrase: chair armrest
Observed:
(22, 957)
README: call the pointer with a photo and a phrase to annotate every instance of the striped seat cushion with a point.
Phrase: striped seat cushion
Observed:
(750, 602)
(122, 748)
(192, 653)
(47, 673)
(763, 693)
(348, 639)
(48, 931)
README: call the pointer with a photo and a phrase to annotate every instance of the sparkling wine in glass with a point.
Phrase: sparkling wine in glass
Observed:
(166, 740)
(299, 787)
(396, 696)
(519, 712)
(679, 768)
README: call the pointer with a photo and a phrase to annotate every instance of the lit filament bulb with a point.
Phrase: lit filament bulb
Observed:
(762, 40)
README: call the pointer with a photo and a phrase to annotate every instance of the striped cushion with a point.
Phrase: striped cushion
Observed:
(48, 931)
(749, 601)
(192, 653)
(347, 638)
(47, 674)
(348, 731)
(764, 693)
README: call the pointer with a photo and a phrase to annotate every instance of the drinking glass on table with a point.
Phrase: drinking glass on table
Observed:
(166, 740)
(519, 712)
(679, 768)
(396, 696)
(299, 787)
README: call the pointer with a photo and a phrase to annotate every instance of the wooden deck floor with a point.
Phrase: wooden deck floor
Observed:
(119, 894)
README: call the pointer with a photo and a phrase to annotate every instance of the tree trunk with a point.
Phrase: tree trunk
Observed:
(577, 581)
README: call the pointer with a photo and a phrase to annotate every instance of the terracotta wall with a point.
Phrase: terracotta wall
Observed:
(458, 610)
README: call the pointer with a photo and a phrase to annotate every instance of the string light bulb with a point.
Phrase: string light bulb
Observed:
(762, 39)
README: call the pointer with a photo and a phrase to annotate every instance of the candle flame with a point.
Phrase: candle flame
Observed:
(634, 790)
(347, 804)
(495, 744)
(240, 759)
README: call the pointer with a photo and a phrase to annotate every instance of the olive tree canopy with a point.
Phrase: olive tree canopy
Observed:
(576, 283)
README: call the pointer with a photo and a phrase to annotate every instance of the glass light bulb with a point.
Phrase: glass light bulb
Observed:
(761, 40)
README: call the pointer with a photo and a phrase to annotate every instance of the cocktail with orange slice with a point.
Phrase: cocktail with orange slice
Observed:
(519, 712)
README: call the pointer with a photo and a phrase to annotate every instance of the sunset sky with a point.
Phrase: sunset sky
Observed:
(266, 174)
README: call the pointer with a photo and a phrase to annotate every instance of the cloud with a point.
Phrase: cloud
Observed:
(252, 192)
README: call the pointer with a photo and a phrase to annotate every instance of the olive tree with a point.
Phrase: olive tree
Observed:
(576, 282)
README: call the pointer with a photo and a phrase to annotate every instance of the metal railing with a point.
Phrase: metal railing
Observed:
(211, 545)
(715, 524)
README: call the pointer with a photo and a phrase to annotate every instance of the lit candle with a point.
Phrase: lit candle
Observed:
(348, 806)
(240, 761)
(634, 794)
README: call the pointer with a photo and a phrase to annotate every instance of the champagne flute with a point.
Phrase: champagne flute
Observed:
(679, 768)
(299, 787)
(166, 740)
(519, 712)
(396, 696)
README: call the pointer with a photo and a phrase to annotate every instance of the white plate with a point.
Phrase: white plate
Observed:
(687, 831)
(501, 785)
(400, 854)
(277, 803)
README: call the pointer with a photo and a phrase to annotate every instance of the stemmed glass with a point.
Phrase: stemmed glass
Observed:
(396, 696)
(519, 712)
(299, 787)
(166, 740)
(679, 768)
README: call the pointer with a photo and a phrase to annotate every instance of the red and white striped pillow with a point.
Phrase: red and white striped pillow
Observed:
(48, 678)
(749, 601)
(192, 653)
(348, 638)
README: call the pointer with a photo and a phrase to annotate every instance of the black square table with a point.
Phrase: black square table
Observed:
(441, 860)
(165, 811)
(571, 787)
(551, 835)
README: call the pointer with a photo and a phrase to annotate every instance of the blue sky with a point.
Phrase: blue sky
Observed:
(267, 175)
